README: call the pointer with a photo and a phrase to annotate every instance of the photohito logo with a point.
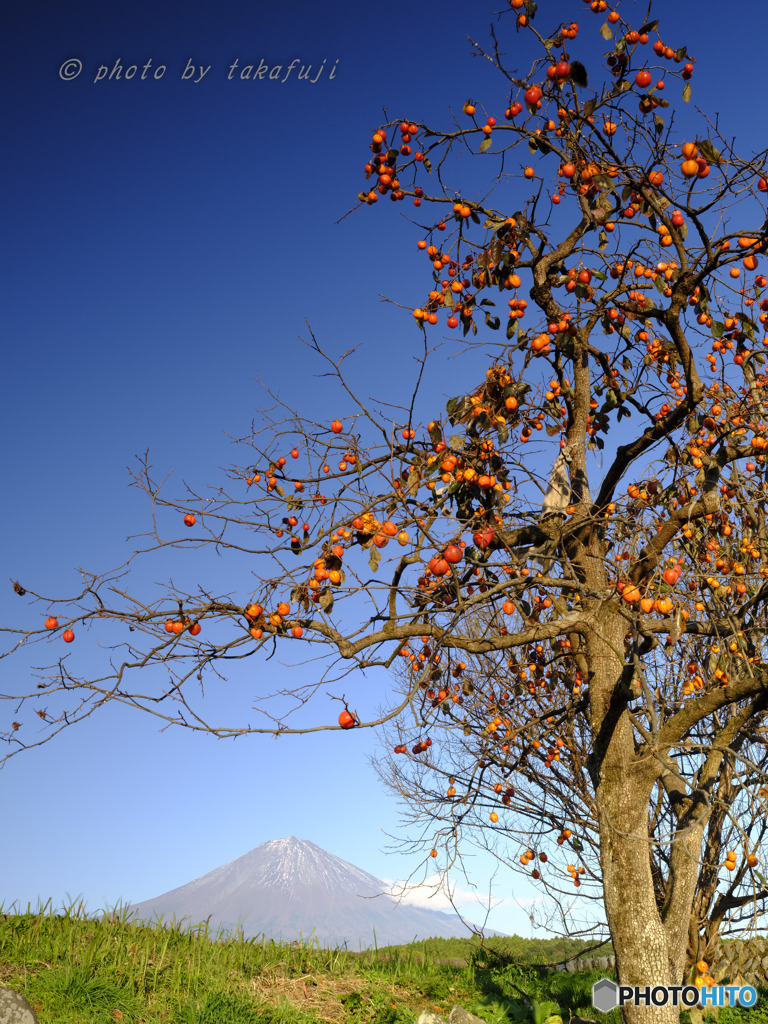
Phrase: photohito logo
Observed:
(606, 995)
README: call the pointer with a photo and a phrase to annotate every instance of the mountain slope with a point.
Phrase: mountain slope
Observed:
(288, 889)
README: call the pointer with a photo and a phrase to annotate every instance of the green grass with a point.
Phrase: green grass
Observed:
(76, 969)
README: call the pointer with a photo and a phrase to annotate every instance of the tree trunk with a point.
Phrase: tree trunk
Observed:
(649, 949)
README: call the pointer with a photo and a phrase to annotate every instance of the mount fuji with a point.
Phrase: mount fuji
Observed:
(288, 889)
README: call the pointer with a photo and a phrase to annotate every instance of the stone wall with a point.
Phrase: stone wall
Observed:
(746, 959)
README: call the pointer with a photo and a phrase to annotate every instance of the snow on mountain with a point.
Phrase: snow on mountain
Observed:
(288, 889)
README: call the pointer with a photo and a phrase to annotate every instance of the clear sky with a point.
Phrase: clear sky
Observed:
(164, 240)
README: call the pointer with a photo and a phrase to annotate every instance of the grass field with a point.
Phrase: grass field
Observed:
(76, 969)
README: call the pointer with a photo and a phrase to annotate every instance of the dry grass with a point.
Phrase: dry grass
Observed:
(322, 996)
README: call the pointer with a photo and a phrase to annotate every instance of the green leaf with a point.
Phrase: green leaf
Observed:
(486, 144)
(717, 329)
(687, 92)
(374, 559)
(605, 31)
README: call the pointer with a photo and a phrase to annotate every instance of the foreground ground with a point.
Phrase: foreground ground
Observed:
(79, 971)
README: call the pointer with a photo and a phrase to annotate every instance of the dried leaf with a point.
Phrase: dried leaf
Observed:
(495, 249)
(494, 223)
(708, 151)
(579, 74)
(412, 485)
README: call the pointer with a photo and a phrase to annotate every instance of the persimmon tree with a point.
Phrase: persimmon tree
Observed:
(568, 568)
(495, 767)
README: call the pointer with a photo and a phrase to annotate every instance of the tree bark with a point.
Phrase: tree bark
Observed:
(649, 950)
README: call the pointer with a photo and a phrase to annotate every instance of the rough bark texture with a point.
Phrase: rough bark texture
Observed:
(623, 784)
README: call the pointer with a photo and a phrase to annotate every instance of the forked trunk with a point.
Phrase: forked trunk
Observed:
(649, 946)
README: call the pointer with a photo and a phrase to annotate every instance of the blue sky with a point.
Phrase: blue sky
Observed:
(165, 241)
